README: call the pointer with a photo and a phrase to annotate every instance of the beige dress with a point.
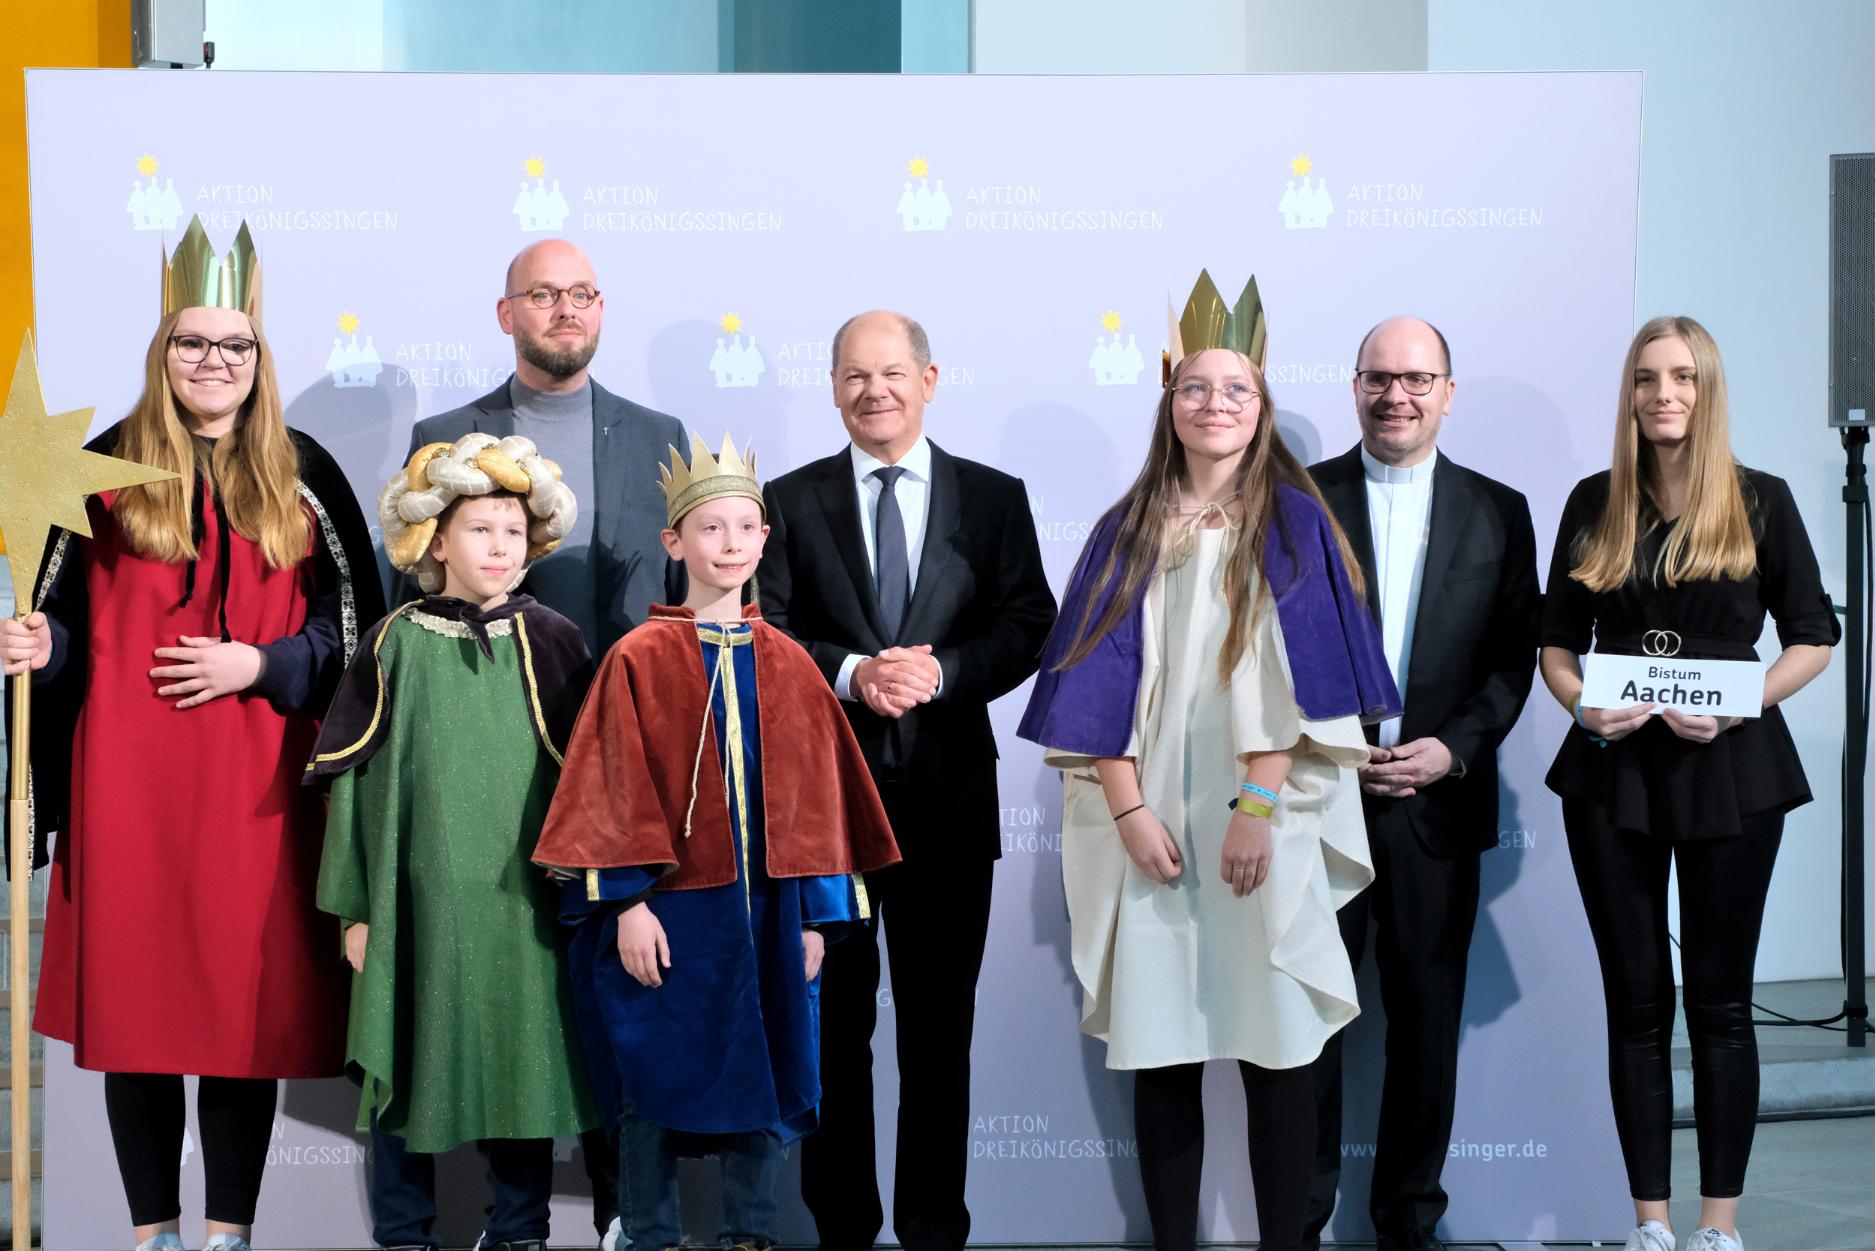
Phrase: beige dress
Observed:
(1187, 971)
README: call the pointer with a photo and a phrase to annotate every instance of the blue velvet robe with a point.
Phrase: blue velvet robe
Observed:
(1335, 653)
(731, 1041)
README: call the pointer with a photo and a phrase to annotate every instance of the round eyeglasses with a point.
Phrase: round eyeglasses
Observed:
(1236, 395)
(546, 295)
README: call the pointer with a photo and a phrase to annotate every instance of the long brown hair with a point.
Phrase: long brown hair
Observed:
(1711, 538)
(255, 467)
(1142, 522)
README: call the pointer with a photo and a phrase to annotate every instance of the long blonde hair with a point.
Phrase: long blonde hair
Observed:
(255, 467)
(1143, 525)
(1712, 537)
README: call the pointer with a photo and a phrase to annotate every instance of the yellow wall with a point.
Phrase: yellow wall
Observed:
(60, 33)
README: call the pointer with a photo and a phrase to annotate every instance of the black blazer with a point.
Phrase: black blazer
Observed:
(1474, 641)
(630, 571)
(982, 602)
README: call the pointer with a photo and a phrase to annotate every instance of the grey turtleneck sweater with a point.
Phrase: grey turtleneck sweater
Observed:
(561, 427)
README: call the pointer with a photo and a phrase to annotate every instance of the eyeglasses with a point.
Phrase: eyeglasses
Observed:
(546, 296)
(1376, 381)
(1236, 395)
(192, 349)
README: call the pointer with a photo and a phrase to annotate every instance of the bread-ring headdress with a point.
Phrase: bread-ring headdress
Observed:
(475, 464)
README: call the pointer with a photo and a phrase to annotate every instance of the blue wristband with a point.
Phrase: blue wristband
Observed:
(1254, 789)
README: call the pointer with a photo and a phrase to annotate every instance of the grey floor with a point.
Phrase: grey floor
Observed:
(1812, 1188)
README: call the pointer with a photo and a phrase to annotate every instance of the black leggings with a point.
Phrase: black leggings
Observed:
(1168, 1116)
(1723, 882)
(234, 1116)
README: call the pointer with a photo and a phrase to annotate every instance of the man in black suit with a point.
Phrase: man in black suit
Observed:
(611, 567)
(1450, 560)
(914, 579)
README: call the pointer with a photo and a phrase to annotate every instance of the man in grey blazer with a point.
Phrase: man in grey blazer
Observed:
(609, 570)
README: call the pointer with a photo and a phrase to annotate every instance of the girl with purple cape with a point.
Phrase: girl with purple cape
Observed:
(1203, 695)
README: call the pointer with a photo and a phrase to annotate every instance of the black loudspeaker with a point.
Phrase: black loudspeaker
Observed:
(1852, 289)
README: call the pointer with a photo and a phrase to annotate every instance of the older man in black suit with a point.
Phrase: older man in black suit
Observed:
(1450, 561)
(914, 579)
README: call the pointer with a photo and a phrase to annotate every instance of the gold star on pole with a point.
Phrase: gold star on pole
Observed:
(45, 475)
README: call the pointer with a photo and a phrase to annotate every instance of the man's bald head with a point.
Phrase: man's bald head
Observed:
(544, 254)
(1406, 327)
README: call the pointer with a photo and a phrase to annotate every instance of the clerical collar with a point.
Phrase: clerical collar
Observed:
(1393, 475)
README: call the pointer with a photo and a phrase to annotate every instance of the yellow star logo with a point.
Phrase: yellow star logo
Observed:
(730, 323)
(348, 322)
(1111, 321)
(45, 474)
(1302, 165)
(534, 166)
(918, 166)
(146, 165)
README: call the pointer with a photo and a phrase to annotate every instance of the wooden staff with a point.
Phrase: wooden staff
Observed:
(45, 475)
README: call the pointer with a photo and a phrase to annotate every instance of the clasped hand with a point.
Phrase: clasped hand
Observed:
(1405, 768)
(897, 680)
(208, 669)
(1614, 724)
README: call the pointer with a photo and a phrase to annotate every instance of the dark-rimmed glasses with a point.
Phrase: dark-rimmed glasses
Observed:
(546, 295)
(1376, 381)
(192, 349)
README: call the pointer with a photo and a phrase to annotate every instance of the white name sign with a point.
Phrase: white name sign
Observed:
(1708, 688)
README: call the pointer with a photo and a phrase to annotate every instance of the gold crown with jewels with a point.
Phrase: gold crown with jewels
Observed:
(1208, 322)
(195, 277)
(706, 477)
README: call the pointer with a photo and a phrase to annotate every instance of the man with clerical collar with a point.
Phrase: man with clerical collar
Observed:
(611, 566)
(1450, 560)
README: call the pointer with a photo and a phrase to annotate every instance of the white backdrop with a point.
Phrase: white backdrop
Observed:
(1034, 225)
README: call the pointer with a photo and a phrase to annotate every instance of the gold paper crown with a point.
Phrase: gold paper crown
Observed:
(1209, 323)
(194, 277)
(706, 477)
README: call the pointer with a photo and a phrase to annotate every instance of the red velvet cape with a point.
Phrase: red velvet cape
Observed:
(626, 784)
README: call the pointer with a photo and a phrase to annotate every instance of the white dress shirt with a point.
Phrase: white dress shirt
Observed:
(913, 492)
(1399, 512)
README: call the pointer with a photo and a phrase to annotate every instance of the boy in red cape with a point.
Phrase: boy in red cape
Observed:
(713, 818)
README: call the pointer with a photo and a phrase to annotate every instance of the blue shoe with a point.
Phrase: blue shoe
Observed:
(165, 1241)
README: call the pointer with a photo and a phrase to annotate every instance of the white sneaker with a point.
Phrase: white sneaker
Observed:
(165, 1241)
(1651, 1236)
(615, 1239)
(1706, 1238)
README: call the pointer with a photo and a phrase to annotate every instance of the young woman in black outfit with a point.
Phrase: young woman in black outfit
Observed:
(1676, 546)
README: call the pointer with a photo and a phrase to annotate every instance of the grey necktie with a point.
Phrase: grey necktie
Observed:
(892, 573)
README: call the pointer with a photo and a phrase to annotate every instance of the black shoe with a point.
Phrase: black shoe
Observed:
(519, 1244)
(1418, 1238)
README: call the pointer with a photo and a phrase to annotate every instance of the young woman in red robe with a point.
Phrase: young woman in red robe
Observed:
(184, 653)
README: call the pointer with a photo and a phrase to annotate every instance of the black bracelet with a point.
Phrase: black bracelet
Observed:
(1129, 812)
